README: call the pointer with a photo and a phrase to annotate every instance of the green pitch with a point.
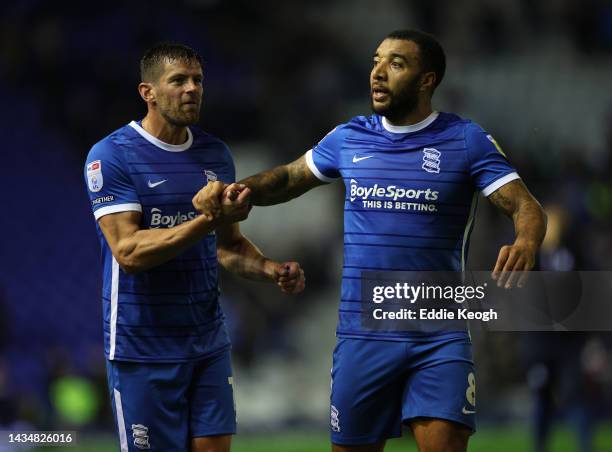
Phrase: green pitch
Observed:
(486, 440)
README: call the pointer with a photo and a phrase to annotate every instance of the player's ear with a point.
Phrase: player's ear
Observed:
(428, 81)
(146, 92)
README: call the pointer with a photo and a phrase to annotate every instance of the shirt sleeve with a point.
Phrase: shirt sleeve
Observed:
(488, 164)
(109, 184)
(323, 159)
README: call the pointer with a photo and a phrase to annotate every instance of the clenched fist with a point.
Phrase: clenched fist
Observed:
(289, 277)
(235, 203)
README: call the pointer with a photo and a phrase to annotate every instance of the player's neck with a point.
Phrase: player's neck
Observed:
(164, 131)
(420, 113)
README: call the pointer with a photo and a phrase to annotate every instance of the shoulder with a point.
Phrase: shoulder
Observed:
(204, 139)
(361, 124)
(452, 121)
(468, 126)
(454, 125)
(353, 127)
(476, 135)
(112, 146)
(211, 145)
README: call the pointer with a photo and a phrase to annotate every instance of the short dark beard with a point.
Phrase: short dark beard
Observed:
(402, 102)
(178, 121)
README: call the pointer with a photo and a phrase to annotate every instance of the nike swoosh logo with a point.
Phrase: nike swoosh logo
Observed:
(466, 411)
(155, 184)
(359, 159)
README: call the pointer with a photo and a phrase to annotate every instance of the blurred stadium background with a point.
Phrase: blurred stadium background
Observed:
(537, 74)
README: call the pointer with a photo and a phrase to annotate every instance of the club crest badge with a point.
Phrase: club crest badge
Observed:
(210, 176)
(431, 160)
(95, 181)
(141, 436)
(335, 419)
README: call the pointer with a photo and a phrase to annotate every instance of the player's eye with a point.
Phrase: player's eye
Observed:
(396, 65)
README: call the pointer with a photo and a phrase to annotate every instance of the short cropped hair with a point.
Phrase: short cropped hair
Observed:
(431, 53)
(152, 62)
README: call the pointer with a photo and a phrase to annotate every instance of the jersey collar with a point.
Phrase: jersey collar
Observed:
(161, 144)
(412, 127)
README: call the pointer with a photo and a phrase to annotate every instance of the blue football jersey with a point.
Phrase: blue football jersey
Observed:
(169, 313)
(411, 195)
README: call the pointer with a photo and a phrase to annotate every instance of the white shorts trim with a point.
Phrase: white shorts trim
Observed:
(120, 421)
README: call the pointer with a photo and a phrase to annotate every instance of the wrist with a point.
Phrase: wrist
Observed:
(270, 269)
(527, 242)
(208, 222)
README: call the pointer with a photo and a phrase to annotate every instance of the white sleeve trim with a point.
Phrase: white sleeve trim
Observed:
(496, 185)
(128, 207)
(311, 164)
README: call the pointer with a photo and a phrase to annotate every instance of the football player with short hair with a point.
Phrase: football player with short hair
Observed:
(412, 176)
(167, 348)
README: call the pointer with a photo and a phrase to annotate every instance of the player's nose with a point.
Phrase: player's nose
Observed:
(191, 86)
(378, 72)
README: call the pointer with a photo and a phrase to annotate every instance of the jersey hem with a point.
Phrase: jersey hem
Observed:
(446, 416)
(141, 359)
(362, 440)
(218, 432)
(412, 338)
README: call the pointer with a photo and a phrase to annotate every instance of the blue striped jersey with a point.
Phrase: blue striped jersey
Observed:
(171, 312)
(411, 195)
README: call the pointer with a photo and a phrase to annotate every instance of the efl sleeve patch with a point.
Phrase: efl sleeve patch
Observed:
(95, 180)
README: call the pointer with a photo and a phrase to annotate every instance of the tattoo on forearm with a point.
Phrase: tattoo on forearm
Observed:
(527, 214)
(503, 202)
(268, 186)
(281, 183)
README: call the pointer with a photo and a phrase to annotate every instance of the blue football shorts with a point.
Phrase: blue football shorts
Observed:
(378, 385)
(161, 406)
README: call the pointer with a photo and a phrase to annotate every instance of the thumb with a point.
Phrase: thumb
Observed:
(216, 187)
(280, 270)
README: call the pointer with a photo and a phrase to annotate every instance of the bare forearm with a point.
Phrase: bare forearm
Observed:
(281, 184)
(269, 187)
(524, 210)
(147, 248)
(244, 259)
(529, 227)
(529, 223)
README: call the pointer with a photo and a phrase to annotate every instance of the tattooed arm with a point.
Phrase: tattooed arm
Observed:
(282, 183)
(529, 227)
